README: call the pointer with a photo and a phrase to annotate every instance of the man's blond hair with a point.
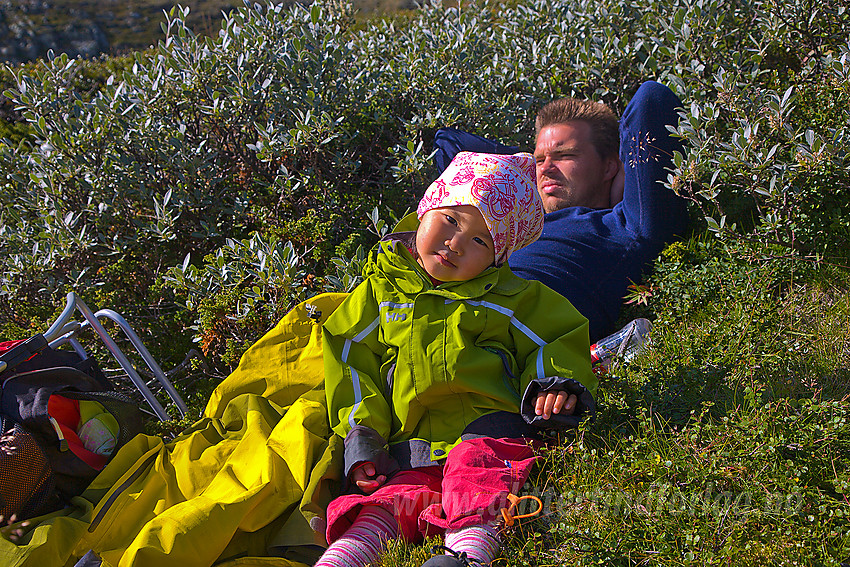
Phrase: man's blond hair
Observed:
(602, 120)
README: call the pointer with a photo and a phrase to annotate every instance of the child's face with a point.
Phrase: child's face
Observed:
(454, 243)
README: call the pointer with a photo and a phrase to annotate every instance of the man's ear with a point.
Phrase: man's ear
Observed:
(618, 184)
(612, 166)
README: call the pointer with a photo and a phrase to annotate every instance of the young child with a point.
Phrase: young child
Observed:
(442, 365)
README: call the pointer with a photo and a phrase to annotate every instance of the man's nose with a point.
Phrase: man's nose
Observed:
(454, 246)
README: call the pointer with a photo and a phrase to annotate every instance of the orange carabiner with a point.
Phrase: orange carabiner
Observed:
(507, 513)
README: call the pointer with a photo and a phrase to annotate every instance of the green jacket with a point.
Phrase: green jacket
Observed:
(416, 366)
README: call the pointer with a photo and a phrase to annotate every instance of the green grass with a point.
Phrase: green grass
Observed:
(727, 442)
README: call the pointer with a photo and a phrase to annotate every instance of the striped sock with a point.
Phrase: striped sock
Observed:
(364, 542)
(480, 543)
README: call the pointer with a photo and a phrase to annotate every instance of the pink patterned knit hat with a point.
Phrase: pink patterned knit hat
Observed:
(502, 187)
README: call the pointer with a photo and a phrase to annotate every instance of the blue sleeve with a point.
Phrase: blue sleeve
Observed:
(449, 142)
(651, 210)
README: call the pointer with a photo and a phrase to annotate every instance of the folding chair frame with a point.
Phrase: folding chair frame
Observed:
(65, 329)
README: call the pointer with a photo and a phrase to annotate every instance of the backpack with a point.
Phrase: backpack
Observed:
(60, 423)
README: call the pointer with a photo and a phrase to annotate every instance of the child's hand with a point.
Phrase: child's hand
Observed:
(364, 477)
(555, 402)
(13, 535)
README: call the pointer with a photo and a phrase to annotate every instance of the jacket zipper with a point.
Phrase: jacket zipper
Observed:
(124, 486)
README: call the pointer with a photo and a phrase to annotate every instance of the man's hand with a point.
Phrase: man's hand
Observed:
(555, 402)
(364, 477)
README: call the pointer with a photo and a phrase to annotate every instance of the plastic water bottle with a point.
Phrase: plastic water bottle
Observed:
(620, 346)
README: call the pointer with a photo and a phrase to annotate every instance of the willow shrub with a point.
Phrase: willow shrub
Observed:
(235, 175)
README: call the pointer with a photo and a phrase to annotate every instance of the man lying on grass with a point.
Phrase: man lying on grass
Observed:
(607, 216)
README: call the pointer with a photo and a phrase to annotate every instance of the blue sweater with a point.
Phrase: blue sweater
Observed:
(590, 256)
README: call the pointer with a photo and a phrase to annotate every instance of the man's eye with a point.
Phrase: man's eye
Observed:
(451, 219)
(480, 241)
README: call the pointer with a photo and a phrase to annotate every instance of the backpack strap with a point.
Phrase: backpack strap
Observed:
(23, 352)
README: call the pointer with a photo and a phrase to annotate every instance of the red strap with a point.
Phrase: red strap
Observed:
(9, 345)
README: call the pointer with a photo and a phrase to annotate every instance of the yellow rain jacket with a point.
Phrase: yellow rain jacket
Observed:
(246, 485)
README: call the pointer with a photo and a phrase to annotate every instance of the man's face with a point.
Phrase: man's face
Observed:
(570, 171)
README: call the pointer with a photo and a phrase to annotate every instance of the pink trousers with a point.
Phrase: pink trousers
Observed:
(469, 489)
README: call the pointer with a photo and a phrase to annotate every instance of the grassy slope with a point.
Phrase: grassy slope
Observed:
(726, 443)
